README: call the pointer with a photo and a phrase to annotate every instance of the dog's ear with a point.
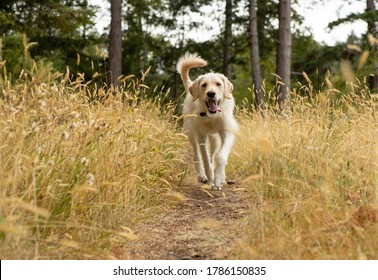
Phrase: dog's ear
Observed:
(194, 89)
(228, 87)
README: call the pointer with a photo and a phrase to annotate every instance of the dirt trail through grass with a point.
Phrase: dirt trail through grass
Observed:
(204, 224)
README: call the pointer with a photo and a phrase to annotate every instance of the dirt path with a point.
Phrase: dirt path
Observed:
(203, 224)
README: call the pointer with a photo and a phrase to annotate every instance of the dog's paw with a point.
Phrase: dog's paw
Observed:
(202, 179)
(218, 184)
(216, 188)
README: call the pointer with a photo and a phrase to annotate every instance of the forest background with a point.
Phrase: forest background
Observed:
(63, 35)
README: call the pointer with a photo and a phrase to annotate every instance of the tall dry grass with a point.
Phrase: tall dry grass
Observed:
(80, 167)
(77, 174)
(312, 177)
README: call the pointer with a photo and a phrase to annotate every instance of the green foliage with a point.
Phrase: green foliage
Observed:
(367, 16)
(46, 17)
(60, 28)
(156, 34)
(13, 53)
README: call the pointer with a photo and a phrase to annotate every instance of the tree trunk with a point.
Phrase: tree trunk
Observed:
(262, 18)
(176, 75)
(284, 54)
(1, 49)
(372, 29)
(255, 57)
(139, 15)
(115, 42)
(227, 66)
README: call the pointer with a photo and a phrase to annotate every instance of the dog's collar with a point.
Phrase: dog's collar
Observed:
(204, 116)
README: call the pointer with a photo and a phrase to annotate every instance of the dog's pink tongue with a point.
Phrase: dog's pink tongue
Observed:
(213, 106)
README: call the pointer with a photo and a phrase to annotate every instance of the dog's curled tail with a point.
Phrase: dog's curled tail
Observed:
(185, 63)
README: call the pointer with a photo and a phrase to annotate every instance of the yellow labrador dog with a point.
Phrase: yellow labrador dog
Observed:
(210, 123)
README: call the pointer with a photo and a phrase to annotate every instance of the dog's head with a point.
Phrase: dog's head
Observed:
(211, 89)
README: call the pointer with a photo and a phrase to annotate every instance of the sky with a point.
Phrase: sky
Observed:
(316, 17)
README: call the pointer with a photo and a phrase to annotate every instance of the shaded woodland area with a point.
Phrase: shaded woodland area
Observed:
(255, 41)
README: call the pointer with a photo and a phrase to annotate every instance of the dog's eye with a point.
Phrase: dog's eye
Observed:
(204, 85)
(218, 84)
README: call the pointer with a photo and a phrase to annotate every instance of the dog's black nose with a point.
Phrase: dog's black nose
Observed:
(211, 94)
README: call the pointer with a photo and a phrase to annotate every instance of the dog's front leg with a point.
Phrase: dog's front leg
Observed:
(198, 162)
(222, 157)
(208, 165)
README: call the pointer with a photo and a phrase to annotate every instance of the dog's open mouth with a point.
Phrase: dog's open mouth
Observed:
(213, 106)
